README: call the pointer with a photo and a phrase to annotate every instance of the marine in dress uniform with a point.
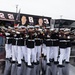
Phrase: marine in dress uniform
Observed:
(43, 44)
(20, 44)
(24, 25)
(62, 46)
(8, 43)
(14, 45)
(55, 45)
(68, 46)
(48, 43)
(30, 46)
(38, 41)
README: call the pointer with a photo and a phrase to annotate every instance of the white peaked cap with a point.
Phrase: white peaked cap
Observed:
(52, 29)
(10, 27)
(62, 28)
(67, 29)
(30, 27)
(48, 27)
(37, 26)
(22, 26)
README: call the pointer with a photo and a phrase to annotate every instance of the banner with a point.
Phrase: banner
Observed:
(28, 19)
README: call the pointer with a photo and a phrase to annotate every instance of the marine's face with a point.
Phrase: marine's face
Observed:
(31, 29)
(9, 29)
(16, 29)
(36, 28)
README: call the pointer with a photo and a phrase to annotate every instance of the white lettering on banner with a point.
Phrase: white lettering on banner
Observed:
(46, 21)
(2, 15)
(11, 16)
(31, 19)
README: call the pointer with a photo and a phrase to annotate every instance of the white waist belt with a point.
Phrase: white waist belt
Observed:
(37, 39)
(64, 40)
(30, 40)
(16, 38)
(48, 39)
(54, 39)
(20, 38)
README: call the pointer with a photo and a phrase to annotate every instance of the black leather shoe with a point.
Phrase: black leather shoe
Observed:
(13, 62)
(56, 62)
(51, 60)
(48, 64)
(19, 65)
(61, 66)
(30, 66)
(67, 62)
(22, 60)
(42, 55)
(35, 63)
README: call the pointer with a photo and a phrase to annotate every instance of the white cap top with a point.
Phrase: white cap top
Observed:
(22, 26)
(67, 29)
(62, 28)
(40, 30)
(52, 29)
(10, 27)
(48, 27)
(30, 27)
(37, 26)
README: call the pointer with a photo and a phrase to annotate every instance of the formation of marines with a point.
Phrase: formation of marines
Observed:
(30, 43)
